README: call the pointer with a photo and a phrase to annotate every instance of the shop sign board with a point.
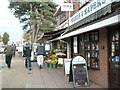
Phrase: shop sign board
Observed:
(67, 65)
(80, 73)
(89, 9)
(66, 7)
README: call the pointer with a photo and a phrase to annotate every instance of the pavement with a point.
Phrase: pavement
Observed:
(20, 77)
(15, 77)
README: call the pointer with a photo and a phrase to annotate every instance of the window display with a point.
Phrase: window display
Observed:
(91, 49)
(115, 47)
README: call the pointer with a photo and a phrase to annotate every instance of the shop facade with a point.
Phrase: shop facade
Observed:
(96, 37)
(102, 54)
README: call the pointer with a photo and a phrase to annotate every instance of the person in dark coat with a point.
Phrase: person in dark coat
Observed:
(40, 55)
(27, 55)
(8, 54)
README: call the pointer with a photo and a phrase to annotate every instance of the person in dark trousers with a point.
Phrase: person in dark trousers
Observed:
(27, 55)
(8, 54)
(14, 47)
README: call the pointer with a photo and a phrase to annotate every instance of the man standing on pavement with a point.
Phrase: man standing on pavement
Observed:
(8, 54)
(27, 55)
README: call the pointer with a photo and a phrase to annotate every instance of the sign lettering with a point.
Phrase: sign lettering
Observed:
(94, 6)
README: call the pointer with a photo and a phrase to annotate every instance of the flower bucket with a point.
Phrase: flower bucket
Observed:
(50, 65)
(54, 65)
(47, 64)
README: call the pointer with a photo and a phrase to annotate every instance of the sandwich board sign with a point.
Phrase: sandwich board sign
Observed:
(80, 73)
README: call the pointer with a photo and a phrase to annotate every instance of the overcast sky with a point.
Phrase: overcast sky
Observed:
(10, 24)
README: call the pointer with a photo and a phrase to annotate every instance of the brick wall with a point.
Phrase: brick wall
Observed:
(101, 76)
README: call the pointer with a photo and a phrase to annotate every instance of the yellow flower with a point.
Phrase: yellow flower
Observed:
(54, 61)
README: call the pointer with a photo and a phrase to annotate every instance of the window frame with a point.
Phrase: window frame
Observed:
(90, 39)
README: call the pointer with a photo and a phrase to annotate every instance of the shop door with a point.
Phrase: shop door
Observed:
(114, 59)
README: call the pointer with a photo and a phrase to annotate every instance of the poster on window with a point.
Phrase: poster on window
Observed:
(47, 47)
(67, 65)
(75, 45)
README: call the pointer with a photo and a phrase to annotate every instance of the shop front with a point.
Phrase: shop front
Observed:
(92, 46)
(101, 50)
(99, 43)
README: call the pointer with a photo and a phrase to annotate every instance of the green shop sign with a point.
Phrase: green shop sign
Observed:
(94, 6)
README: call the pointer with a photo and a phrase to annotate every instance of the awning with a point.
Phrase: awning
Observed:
(97, 15)
(51, 34)
(110, 21)
(92, 17)
(101, 24)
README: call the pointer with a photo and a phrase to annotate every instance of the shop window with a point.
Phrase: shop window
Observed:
(94, 55)
(115, 51)
(94, 36)
(86, 37)
(90, 44)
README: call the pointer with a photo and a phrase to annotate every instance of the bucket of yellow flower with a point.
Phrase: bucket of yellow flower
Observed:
(54, 60)
(54, 63)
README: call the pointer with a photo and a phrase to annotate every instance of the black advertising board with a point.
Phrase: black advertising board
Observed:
(80, 73)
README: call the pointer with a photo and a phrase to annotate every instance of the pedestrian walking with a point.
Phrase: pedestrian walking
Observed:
(8, 54)
(27, 54)
(40, 55)
(14, 48)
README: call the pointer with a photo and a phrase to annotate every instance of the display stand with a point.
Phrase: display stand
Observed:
(80, 73)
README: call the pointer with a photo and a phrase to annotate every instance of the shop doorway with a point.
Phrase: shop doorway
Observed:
(114, 57)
